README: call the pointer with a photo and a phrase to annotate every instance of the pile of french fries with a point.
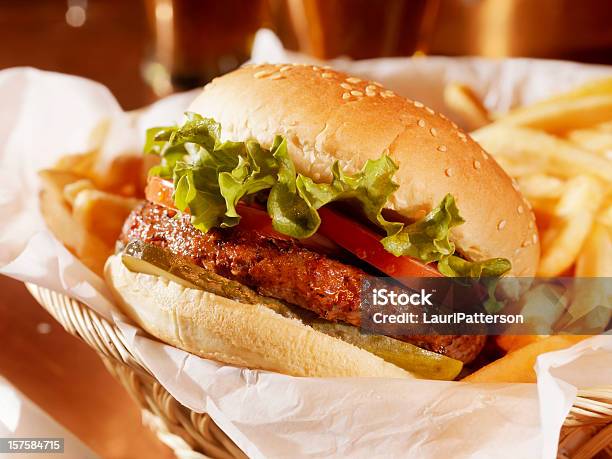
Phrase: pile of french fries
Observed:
(559, 151)
(85, 202)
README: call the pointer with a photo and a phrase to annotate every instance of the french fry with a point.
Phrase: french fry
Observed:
(62, 223)
(606, 126)
(574, 215)
(93, 252)
(125, 175)
(552, 155)
(595, 259)
(518, 366)
(593, 140)
(564, 113)
(102, 214)
(605, 216)
(543, 192)
(591, 307)
(518, 167)
(80, 164)
(466, 106)
(57, 212)
(592, 88)
(73, 189)
(510, 343)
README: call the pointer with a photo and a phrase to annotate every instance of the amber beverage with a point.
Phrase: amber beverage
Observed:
(195, 40)
(355, 28)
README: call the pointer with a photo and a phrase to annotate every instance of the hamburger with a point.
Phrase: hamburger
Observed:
(285, 188)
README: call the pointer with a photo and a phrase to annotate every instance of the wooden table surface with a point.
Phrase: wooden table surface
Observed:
(66, 379)
(57, 371)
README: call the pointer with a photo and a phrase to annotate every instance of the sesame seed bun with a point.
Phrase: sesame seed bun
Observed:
(327, 116)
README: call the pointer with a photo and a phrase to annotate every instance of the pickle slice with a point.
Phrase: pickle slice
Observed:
(420, 362)
(150, 259)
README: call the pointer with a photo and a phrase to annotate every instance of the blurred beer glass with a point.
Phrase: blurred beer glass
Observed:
(194, 41)
(355, 28)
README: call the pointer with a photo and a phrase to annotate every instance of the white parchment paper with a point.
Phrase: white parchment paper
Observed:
(46, 115)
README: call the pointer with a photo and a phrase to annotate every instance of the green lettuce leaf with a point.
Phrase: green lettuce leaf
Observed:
(487, 271)
(291, 213)
(454, 266)
(371, 188)
(427, 239)
(211, 177)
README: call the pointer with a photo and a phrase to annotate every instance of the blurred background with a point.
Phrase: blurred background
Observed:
(142, 49)
(145, 49)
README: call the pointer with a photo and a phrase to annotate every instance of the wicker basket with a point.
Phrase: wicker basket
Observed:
(587, 431)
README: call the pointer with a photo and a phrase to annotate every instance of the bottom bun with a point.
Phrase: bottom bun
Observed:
(225, 330)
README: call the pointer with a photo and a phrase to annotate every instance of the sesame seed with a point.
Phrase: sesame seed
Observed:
(327, 75)
(356, 93)
(520, 209)
(433, 131)
(326, 67)
(346, 96)
(418, 104)
(370, 93)
(376, 83)
(429, 110)
(442, 148)
(421, 123)
(531, 224)
(485, 156)
(515, 185)
(345, 86)
(370, 87)
(517, 250)
(353, 80)
(262, 74)
(501, 225)
(534, 238)
(453, 124)
(315, 68)
(285, 68)
(448, 172)
(476, 164)
(277, 76)
(525, 243)
(387, 93)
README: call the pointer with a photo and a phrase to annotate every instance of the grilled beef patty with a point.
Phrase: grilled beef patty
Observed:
(277, 268)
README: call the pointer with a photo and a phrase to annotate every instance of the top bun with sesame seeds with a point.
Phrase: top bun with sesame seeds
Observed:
(327, 116)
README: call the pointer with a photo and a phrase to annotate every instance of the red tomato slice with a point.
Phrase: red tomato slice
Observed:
(364, 243)
(160, 191)
(335, 227)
